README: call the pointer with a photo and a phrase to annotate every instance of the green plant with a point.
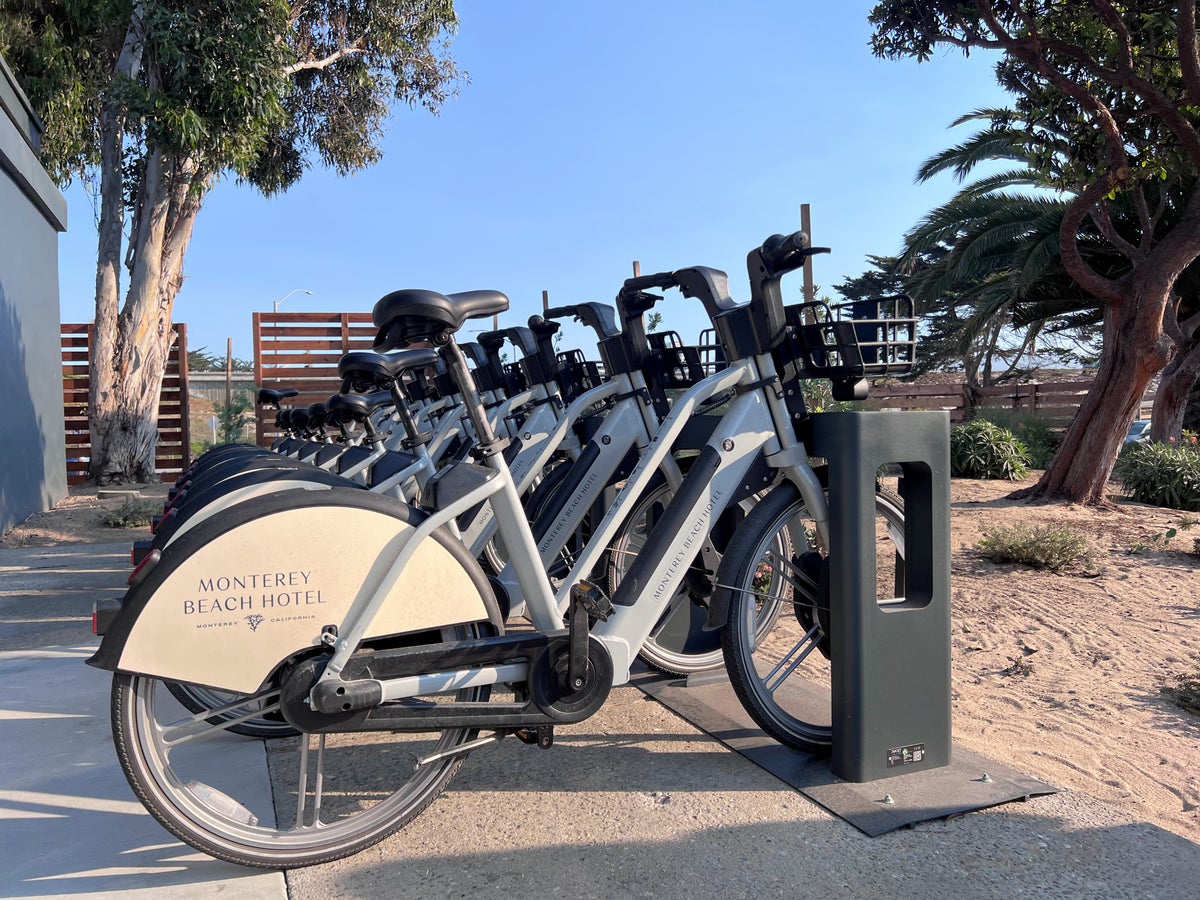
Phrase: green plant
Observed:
(1161, 474)
(1185, 693)
(1034, 432)
(1055, 547)
(982, 449)
(1156, 542)
(234, 416)
(132, 513)
(818, 397)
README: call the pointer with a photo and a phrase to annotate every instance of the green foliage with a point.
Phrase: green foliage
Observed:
(1055, 547)
(1035, 434)
(200, 360)
(1161, 474)
(248, 86)
(980, 449)
(1156, 542)
(818, 397)
(132, 513)
(234, 417)
(1185, 693)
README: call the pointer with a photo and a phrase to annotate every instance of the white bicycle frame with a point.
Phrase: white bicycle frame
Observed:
(757, 421)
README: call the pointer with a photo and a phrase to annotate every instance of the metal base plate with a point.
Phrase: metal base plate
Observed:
(969, 783)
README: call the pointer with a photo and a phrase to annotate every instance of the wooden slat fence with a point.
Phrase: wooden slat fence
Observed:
(173, 452)
(301, 351)
(1056, 402)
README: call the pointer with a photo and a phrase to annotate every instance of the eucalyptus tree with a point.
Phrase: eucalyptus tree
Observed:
(154, 101)
(1121, 83)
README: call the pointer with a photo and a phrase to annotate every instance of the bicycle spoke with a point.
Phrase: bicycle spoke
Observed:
(800, 581)
(809, 643)
(201, 727)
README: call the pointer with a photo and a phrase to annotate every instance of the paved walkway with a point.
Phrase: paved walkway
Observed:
(633, 803)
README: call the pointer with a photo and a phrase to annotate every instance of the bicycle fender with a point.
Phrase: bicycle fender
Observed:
(241, 593)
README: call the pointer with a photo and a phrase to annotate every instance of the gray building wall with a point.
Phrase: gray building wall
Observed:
(33, 473)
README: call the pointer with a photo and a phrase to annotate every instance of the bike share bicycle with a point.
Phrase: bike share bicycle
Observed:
(376, 634)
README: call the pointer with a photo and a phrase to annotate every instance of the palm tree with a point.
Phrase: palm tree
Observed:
(1003, 264)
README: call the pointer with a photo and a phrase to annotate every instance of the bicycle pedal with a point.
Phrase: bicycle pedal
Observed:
(542, 735)
(592, 600)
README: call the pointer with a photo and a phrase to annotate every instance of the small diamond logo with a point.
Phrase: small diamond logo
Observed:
(254, 621)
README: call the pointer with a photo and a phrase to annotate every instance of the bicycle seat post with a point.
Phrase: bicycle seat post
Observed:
(456, 362)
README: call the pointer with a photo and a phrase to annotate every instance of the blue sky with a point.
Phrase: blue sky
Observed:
(591, 134)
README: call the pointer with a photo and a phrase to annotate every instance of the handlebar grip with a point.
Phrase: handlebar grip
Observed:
(778, 249)
(559, 312)
(657, 280)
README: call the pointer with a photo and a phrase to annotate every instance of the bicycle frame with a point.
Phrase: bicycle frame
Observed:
(756, 422)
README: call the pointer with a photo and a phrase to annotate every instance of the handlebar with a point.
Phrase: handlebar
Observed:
(784, 253)
(657, 280)
(600, 317)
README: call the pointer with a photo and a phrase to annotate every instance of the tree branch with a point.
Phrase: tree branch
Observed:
(359, 46)
(1113, 20)
(1103, 219)
(1068, 239)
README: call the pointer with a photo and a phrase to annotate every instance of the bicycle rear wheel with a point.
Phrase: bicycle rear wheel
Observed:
(773, 570)
(278, 803)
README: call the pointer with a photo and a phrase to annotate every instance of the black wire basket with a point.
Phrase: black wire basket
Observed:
(862, 339)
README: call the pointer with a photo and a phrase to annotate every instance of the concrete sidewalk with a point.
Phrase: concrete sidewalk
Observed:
(633, 802)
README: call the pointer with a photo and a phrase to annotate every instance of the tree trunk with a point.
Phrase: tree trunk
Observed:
(1174, 389)
(110, 229)
(1134, 350)
(126, 418)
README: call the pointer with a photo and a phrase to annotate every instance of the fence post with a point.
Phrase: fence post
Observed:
(185, 408)
(256, 336)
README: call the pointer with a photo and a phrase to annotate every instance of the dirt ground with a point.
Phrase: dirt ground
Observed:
(1057, 675)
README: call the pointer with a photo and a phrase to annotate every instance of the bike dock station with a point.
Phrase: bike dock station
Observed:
(890, 681)
(892, 763)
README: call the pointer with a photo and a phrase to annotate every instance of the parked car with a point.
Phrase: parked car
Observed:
(1138, 431)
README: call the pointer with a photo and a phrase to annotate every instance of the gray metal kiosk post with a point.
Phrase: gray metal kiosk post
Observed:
(890, 655)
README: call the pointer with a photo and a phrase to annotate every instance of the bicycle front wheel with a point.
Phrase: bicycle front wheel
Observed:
(774, 570)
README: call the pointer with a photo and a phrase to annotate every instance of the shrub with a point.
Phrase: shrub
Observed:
(981, 449)
(1161, 474)
(1186, 691)
(1055, 547)
(1040, 440)
(132, 513)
